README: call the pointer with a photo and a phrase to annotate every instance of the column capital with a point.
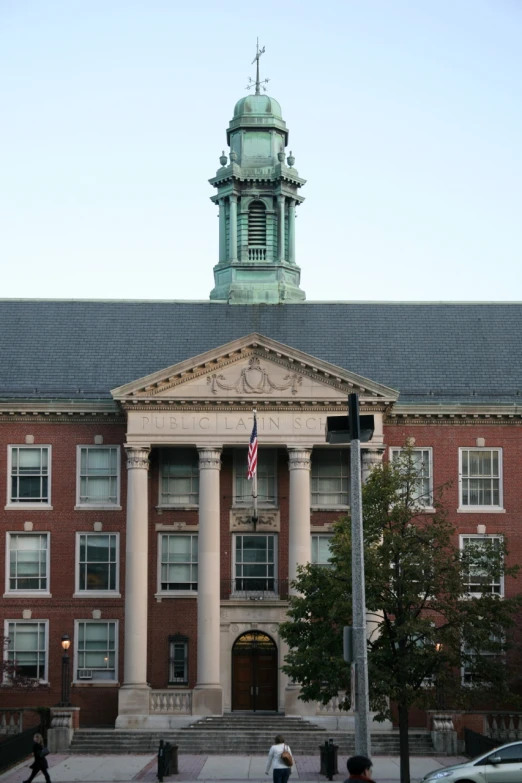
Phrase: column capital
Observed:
(209, 457)
(371, 457)
(137, 457)
(233, 198)
(299, 458)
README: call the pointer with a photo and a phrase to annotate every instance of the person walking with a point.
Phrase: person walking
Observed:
(359, 768)
(40, 762)
(280, 770)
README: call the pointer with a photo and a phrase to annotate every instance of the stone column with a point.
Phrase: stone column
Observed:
(299, 549)
(133, 696)
(232, 228)
(208, 694)
(222, 232)
(291, 231)
(299, 543)
(281, 228)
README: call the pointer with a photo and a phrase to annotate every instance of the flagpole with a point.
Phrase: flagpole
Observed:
(254, 485)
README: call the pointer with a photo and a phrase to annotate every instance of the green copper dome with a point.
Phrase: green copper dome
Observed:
(259, 105)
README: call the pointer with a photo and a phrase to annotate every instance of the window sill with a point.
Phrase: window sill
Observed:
(481, 510)
(329, 508)
(95, 683)
(27, 594)
(97, 594)
(97, 507)
(176, 594)
(181, 507)
(28, 506)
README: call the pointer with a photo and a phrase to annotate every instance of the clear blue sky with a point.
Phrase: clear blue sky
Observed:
(405, 117)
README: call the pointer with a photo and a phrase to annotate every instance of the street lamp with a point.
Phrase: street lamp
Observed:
(66, 643)
(353, 429)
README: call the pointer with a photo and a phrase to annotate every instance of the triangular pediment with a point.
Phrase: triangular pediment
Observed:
(253, 369)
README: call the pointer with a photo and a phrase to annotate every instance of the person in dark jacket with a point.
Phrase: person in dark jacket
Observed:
(359, 768)
(40, 762)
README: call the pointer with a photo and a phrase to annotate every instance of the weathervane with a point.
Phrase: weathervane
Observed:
(257, 83)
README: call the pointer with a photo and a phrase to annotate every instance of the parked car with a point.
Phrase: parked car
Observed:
(502, 765)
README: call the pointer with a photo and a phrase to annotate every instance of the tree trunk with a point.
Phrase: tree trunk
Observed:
(404, 743)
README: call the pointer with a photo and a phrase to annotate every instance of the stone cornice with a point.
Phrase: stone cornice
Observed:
(60, 411)
(466, 413)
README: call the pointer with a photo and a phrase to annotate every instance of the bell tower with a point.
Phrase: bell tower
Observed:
(257, 194)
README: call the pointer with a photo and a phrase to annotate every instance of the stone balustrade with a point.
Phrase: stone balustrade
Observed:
(332, 707)
(11, 721)
(171, 702)
(505, 726)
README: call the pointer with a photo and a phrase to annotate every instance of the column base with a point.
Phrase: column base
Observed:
(133, 706)
(294, 707)
(207, 700)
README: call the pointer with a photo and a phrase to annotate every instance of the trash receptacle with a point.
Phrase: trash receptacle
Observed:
(167, 760)
(329, 759)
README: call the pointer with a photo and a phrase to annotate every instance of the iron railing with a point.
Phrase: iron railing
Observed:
(261, 589)
(17, 748)
(476, 744)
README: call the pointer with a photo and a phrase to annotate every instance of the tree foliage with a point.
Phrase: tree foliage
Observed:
(435, 612)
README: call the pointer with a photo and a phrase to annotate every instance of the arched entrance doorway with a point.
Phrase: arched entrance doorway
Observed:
(254, 673)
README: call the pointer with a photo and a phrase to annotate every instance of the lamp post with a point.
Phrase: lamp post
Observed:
(354, 429)
(66, 643)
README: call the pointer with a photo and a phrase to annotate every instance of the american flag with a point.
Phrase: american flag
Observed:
(252, 452)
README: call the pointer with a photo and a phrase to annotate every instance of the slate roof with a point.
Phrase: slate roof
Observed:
(430, 352)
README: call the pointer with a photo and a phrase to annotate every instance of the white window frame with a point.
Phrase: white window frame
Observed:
(93, 681)
(469, 683)
(78, 592)
(248, 502)
(45, 623)
(478, 536)
(399, 450)
(35, 506)
(181, 506)
(482, 509)
(235, 591)
(20, 592)
(318, 536)
(174, 593)
(116, 506)
(332, 506)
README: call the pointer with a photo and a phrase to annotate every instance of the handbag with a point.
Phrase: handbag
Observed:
(286, 757)
(44, 752)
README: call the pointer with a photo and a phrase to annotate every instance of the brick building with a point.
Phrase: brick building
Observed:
(124, 428)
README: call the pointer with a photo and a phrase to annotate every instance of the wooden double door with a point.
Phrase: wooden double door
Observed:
(254, 673)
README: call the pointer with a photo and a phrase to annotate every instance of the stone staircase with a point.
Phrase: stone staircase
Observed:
(237, 734)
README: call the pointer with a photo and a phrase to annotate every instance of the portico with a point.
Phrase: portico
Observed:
(205, 404)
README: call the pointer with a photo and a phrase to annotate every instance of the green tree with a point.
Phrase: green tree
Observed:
(437, 607)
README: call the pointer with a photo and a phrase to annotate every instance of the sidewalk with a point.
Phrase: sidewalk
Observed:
(105, 769)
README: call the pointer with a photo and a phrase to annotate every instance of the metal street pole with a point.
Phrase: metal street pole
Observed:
(362, 700)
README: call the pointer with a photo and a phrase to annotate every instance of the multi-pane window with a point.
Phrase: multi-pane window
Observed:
(98, 475)
(266, 477)
(179, 562)
(178, 660)
(330, 477)
(97, 561)
(472, 662)
(254, 562)
(179, 481)
(29, 474)
(96, 648)
(27, 648)
(480, 477)
(422, 491)
(321, 552)
(28, 562)
(478, 580)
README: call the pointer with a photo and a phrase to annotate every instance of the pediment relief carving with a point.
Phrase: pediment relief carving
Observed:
(251, 369)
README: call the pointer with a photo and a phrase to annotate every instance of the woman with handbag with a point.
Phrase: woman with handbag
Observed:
(40, 762)
(280, 759)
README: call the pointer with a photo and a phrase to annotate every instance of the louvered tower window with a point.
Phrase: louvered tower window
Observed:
(256, 224)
